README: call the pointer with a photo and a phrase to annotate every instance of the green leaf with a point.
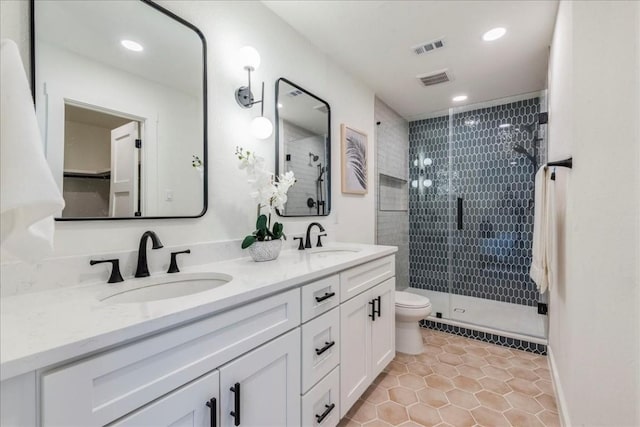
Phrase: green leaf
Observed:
(261, 223)
(277, 230)
(260, 234)
(248, 241)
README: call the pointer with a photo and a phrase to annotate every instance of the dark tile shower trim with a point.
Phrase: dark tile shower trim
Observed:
(486, 337)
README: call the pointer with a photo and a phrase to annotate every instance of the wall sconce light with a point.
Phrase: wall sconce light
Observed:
(261, 127)
(426, 161)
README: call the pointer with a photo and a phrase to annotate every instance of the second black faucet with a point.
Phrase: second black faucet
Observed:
(307, 243)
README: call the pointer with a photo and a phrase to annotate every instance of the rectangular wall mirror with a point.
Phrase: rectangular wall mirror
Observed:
(303, 145)
(120, 93)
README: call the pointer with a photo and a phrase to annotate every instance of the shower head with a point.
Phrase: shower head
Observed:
(521, 150)
(528, 128)
(313, 158)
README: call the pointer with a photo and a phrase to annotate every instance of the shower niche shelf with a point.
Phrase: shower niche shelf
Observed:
(392, 194)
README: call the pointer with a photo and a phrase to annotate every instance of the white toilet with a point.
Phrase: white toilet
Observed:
(410, 309)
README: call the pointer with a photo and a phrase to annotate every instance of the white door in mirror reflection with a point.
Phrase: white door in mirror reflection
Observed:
(123, 193)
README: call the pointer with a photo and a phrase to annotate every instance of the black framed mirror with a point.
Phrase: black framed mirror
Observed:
(303, 145)
(120, 93)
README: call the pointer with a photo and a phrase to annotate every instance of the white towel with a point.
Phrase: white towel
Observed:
(544, 231)
(29, 196)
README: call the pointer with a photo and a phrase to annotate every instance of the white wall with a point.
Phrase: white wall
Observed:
(594, 106)
(228, 26)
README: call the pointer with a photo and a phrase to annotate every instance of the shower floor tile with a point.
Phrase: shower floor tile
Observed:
(459, 381)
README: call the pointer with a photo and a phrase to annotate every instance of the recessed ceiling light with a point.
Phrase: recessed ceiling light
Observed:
(131, 45)
(494, 34)
(459, 98)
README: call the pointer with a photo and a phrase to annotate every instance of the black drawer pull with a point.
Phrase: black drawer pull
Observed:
(212, 404)
(236, 404)
(378, 312)
(325, 296)
(372, 303)
(328, 345)
(460, 213)
(327, 411)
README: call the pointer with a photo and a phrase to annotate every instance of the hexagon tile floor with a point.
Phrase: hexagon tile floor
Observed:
(459, 382)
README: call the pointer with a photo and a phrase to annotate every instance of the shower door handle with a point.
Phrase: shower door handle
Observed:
(460, 209)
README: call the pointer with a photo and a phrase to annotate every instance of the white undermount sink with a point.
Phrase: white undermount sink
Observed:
(167, 286)
(328, 251)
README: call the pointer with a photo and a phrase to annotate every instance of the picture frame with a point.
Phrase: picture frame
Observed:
(354, 153)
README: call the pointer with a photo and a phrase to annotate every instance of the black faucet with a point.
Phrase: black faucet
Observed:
(143, 269)
(307, 243)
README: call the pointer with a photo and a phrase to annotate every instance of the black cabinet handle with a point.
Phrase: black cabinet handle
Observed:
(173, 266)
(321, 417)
(378, 312)
(460, 201)
(115, 277)
(212, 404)
(236, 404)
(325, 296)
(372, 303)
(328, 345)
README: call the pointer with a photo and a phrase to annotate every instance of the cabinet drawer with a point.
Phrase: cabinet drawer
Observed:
(358, 279)
(319, 400)
(103, 388)
(321, 335)
(326, 290)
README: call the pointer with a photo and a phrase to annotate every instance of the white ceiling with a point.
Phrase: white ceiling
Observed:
(373, 40)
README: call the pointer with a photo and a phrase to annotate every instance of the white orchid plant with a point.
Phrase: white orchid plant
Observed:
(269, 191)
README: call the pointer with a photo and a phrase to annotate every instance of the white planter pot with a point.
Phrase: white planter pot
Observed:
(265, 251)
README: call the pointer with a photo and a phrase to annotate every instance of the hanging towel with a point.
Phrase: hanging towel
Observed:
(543, 252)
(29, 196)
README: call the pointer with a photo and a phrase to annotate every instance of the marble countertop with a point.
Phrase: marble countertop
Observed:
(45, 328)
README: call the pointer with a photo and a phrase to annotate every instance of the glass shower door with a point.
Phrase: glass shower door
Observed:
(494, 151)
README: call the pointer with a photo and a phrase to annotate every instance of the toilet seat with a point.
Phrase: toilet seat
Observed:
(410, 300)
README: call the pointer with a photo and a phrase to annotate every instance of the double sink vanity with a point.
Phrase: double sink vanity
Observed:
(289, 342)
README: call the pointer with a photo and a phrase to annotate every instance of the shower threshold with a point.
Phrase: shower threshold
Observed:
(514, 321)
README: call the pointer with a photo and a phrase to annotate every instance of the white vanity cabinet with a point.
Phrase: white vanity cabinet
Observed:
(300, 357)
(101, 389)
(367, 328)
(262, 388)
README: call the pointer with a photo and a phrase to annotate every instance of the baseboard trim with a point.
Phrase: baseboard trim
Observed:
(557, 387)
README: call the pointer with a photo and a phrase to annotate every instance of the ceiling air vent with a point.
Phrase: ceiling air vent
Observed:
(427, 47)
(435, 77)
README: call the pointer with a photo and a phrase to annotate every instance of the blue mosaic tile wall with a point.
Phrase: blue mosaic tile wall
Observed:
(490, 257)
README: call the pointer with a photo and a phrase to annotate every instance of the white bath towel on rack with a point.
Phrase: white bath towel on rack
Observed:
(29, 196)
(544, 231)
